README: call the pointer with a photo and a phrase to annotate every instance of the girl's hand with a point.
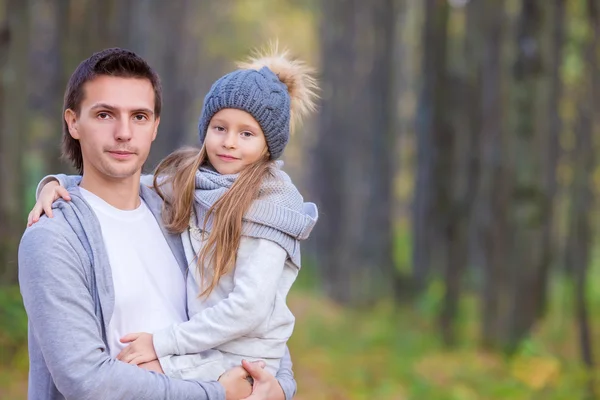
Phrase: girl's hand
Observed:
(51, 192)
(266, 386)
(141, 349)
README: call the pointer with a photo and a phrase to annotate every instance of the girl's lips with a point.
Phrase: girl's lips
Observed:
(226, 157)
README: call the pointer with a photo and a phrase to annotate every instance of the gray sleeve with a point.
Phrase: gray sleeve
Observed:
(63, 180)
(68, 181)
(61, 314)
(285, 376)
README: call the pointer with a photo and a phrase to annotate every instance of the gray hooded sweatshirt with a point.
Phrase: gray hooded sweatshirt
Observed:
(66, 284)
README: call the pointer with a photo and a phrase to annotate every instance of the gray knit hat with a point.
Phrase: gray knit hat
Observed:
(273, 89)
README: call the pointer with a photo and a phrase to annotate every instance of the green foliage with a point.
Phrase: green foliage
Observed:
(253, 24)
(396, 353)
(392, 352)
(13, 323)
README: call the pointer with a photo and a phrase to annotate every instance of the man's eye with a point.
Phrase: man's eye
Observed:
(140, 117)
(103, 115)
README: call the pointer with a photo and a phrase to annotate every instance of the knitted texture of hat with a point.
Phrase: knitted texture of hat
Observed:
(258, 92)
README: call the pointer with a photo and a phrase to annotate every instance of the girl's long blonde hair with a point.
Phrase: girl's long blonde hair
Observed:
(220, 250)
(178, 171)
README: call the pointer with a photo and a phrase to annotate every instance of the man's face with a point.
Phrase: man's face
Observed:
(116, 126)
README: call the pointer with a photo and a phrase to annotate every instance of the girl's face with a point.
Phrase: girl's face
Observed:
(233, 141)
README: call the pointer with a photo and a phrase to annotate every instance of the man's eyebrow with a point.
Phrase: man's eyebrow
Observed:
(106, 106)
(142, 110)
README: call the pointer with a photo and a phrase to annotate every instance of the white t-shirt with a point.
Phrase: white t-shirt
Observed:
(148, 283)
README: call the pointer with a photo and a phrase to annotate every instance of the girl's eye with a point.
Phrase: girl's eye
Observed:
(247, 134)
(219, 128)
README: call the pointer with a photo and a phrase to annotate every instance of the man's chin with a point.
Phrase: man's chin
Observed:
(123, 173)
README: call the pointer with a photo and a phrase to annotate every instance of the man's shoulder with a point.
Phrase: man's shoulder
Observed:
(52, 251)
(49, 231)
(150, 197)
(154, 203)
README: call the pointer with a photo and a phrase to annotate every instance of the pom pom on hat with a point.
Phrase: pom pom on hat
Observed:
(277, 91)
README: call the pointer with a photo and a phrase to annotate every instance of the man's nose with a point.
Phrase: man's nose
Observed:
(123, 130)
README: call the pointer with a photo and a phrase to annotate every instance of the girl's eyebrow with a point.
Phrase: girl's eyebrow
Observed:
(250, 127)
(243, 126)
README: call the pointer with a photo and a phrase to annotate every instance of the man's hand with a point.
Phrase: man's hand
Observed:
(266, 386)
(152, 366)
(236, 384)
(141, 349)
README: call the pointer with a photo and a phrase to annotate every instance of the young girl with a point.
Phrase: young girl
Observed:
(241, 220)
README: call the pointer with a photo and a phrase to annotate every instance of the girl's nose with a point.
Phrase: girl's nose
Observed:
(230, 141)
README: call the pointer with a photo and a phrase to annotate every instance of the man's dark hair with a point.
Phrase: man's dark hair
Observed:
(110, 62)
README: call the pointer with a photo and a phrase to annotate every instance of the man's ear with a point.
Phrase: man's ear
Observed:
(71, 120)
(156, 123)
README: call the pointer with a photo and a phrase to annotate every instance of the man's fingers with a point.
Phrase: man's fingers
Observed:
(140, 358)
(123, 353)
(137, 359)
(254, 369)
(129, 337)
(126, 352)
(260, 363)
(129, 357)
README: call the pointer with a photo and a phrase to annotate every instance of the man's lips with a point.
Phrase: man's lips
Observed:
(121, 154)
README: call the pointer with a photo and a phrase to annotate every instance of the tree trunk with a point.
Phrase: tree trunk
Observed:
(580, 230)
(45, 102)
(531, 207)
(462, 102)
(14, 45)
(581, 235)
(491, 224)
(552, 153)
(432, 130)
(352, 169)
(177, 65)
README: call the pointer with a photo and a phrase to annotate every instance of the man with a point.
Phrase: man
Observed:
(103, 266)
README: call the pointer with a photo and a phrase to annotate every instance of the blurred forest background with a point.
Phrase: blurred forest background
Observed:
(454, 158)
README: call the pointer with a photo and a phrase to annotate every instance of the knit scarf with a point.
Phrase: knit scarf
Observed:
(279, 213)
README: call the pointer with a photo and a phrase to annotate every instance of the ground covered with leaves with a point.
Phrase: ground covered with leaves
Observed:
(390, 352)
